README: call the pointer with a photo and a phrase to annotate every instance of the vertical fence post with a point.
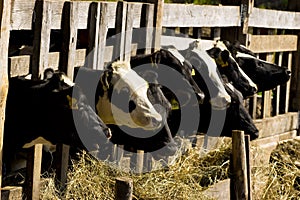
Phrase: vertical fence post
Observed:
(239, 181)
(139, 161)
(41, 40)
(34, 161)
(69, 28)
(5, 9)
(123, 189)
(247, 149)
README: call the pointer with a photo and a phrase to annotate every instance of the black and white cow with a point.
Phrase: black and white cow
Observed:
(132, 94)
(119, 95)
(264, 74)
(50, 111)
(229, 67)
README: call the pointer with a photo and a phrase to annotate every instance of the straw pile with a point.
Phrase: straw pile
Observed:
(186, 178)
(282, 175)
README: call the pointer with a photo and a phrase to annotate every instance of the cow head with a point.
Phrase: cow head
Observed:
(206, 75)
(123, 99)
(229, 67)
(266, 75)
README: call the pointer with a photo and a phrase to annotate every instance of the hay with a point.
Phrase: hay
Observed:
(281, 177)
(186, 178)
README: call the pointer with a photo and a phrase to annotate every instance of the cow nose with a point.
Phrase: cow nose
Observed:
(132, 106)
(288, 72)
(155, 122)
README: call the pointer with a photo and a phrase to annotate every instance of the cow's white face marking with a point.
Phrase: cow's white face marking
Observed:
(222, 99)
(143, 115)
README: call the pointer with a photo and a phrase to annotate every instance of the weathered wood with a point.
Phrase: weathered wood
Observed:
(200, 15)
(4, 42)
(93, 29)
(239, 181)
(102, 35)
(62, 163)
(19, 65)
(157, 22)
(33, 176)
(139, 162)
(247, 150)
(41, 40)
(272, 43)
(123, 188)
(220, 190)
(128, 31)
(120, 31)
(69, 40)
(266, 18)
(288, 84)
(277, 91)
(267, 95)
(277, 124)
(11, 193)
(146, 33)
(246, 9)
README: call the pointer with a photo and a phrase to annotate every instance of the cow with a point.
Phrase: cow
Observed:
(229, 67)
(49, 112)
(119, 96)
(237, 117)
(264, 74)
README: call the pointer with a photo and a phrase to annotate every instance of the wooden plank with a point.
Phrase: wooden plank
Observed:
(128, 31)
(120, 31)
(62, 163)
(277, 91)
(239, 181)
(11, 193)
(272, 43)
(19, 65)
(139, 162)
(246, 9)
(41, 40)
(200, 15)
(288, 84)
(33, 177)
(69, 41)
(21, 15)
(267, 18)
(277, 124)
(4, 42)
(93, 29)
(266, 95)
(248, 150)
(220, 190)
(158, 18)
(123, 188)
(145, 36)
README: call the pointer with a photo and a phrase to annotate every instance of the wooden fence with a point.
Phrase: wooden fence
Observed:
(86, 27)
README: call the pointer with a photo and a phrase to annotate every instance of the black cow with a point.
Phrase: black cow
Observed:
(236, 115)
(266, 75)
(230, 68)
(49, 112)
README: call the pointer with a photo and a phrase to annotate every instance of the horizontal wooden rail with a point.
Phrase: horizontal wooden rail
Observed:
(21, 16)
(266, 18)
(272, 43)
(183, 15)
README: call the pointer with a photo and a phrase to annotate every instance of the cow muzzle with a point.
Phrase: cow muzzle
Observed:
(220, 102)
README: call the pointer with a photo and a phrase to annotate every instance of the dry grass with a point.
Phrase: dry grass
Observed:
(186, 178)
(280, 179)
